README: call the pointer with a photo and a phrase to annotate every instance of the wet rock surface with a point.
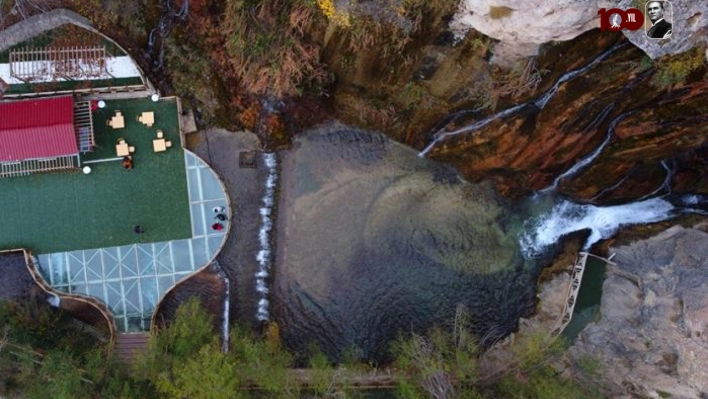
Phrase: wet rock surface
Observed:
(207, 285)
(531, 147)
(658, 107)
(221, 149)
(651, 338)
(15, 280)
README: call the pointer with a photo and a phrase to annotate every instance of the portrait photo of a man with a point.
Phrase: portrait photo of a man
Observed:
(660, 27)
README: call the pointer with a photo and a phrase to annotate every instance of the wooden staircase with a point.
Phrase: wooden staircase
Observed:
(129, 346)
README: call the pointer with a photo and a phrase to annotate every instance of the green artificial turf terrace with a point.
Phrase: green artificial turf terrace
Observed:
(69, 211)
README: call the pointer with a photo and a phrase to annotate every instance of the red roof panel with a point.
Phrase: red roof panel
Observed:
(39, 128)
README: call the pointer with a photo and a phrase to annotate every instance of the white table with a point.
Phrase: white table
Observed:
(159, 145)
(117, 122)
(122, 149)
(147, 118)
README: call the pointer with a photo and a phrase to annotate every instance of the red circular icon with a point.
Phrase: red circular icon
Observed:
(616, 19)
(634, 19)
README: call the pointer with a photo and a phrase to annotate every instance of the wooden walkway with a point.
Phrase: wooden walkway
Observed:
(576, 280)
(130, 345)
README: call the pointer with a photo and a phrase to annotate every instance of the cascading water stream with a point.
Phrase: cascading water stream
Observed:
(545, 97)
(163, 29)
(587, 160)
(539, 102)
(439, 136)
(544, 231)
(264, 256)
(225, 322)
(665, 185)
(611, 188)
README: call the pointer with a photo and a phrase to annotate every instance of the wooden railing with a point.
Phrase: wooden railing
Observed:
(100, 306)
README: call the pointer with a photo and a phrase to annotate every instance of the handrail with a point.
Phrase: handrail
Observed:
(101, 307)
(576, 279)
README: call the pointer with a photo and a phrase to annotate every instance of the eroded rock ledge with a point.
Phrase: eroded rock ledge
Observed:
(651, 338)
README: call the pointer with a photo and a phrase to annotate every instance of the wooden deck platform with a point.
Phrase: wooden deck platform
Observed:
(129, 346)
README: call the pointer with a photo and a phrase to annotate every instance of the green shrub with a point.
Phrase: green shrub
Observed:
(673, 71)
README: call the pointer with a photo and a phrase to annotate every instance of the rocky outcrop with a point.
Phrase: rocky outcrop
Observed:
(690, 27)
(658, 109)
(534, 145)
(552, 296)
(651, 339)
(522, 27)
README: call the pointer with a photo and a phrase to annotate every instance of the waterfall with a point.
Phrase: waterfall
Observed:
(542, 232)
(665, 185)
(588, 159)
(545, 97)
(439, 135)
(225, 323)
(611, 188)
(54, 300)
(540, 102)
(264, 255)
(164, 27)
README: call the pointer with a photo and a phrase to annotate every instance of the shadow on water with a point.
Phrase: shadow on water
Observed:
(587, 306)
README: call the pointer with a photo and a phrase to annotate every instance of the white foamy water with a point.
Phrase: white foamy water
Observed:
(566, 217)
(225, 323)
(543, 100)
(588, 159)
(539, 102)
(54, 300)
(440, 136)
(264, 255)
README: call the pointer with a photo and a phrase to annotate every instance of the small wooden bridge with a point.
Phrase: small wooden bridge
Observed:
(576, 280)
(131, 345)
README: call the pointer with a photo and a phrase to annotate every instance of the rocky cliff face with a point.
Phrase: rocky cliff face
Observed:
(522, 27)
(533, 146)
(658, 107)
(651, 339)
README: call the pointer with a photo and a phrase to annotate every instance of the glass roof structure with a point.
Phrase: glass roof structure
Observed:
(131, 279)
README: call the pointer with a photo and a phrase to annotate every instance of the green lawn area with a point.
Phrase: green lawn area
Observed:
(70, 211)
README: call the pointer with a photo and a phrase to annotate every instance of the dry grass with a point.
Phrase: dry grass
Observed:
(523, 78)
(268, 50)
